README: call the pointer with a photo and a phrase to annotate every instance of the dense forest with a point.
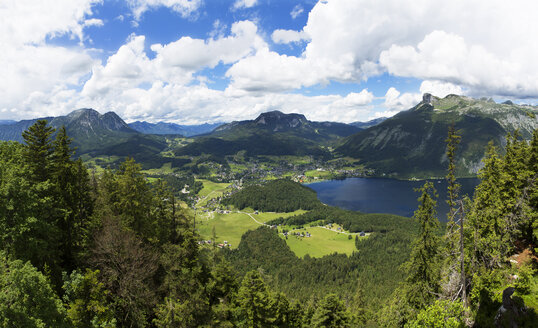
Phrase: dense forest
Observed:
(281, 195)
(82, 249)
(350, 220)
(113, 250)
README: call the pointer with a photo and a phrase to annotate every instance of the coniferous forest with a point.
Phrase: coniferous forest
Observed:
(81, 248)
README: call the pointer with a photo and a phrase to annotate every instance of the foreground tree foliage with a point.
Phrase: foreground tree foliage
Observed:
(423, 266)
(114, 250)
(499, 225)
(26, 297)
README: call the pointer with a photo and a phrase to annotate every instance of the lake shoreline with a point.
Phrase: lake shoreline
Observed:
(384, 195)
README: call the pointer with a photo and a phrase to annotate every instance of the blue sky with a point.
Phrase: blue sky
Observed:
(196, 61)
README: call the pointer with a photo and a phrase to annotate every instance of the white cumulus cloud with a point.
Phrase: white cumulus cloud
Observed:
(288, 36)
(440, 89)
(186, 8)
(396, 101)
(36, 75)
(485, 47)
(238, 4)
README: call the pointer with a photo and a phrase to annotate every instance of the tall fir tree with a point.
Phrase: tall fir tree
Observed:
(133, 198)
(254, 301)
(423, 267)
(39, 150)
(489, 242)
(331, 312)
(452, 141)
(38, 157)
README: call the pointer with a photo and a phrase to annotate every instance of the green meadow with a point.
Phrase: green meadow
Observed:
(211, 190)
(232, 226)
(321, 242)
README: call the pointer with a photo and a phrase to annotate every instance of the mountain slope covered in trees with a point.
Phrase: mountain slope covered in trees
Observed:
(271, 133)
(412, 143)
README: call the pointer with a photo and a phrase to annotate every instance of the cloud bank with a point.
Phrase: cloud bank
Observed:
(478, 48)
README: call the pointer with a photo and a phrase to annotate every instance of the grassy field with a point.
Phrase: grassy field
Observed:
(318, 174)
(211, 190)
(232, 226)
(229, 227)
(165, 169)
(322, 242)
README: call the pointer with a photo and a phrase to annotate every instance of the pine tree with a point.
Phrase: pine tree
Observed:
(133, 198)
(254, 302)
(486, 216)
(358, 304)
(39, 150)
(533, 189)
(38, 157)
(423, 266)
(65, 188)
(164, 214)
(453, 190)
(331, 313)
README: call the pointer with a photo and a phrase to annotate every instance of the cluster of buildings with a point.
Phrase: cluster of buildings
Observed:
(210, 242)
(297, 234)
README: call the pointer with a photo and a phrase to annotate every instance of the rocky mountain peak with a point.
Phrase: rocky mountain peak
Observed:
(277, 120)
(427, 98)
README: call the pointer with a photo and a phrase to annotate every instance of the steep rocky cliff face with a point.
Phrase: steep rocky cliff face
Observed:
(412, 143)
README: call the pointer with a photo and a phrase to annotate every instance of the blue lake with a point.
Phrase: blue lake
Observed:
(378, 195)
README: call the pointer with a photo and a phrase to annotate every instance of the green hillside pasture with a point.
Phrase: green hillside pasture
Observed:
(229, 227)
(322, 242)
(319, 174)
(268, 216)
(165, 169)
(232, 226)
(211, 190)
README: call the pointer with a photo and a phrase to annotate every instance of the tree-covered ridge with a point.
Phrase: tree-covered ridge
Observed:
(275, 196)
(371, 271)
(352, 221)
(412, 143)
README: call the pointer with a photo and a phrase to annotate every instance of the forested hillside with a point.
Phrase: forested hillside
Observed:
(114, 250)
(275, 196)
(412, 143)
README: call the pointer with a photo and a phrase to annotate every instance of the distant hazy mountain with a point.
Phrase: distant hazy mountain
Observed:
(100, 134)
(14, 131)
(368, 124)
(172, 128)
(271, 133)
(7, 122)
(412, 143)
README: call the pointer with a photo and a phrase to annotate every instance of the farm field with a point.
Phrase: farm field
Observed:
(230, 227)
(211, 190)
(321, 242)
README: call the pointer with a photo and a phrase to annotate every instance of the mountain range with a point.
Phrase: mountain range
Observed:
(368, 124)
(89, 129)
(172, 128)
(271, 133)
(412, 143)
(409, 144)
